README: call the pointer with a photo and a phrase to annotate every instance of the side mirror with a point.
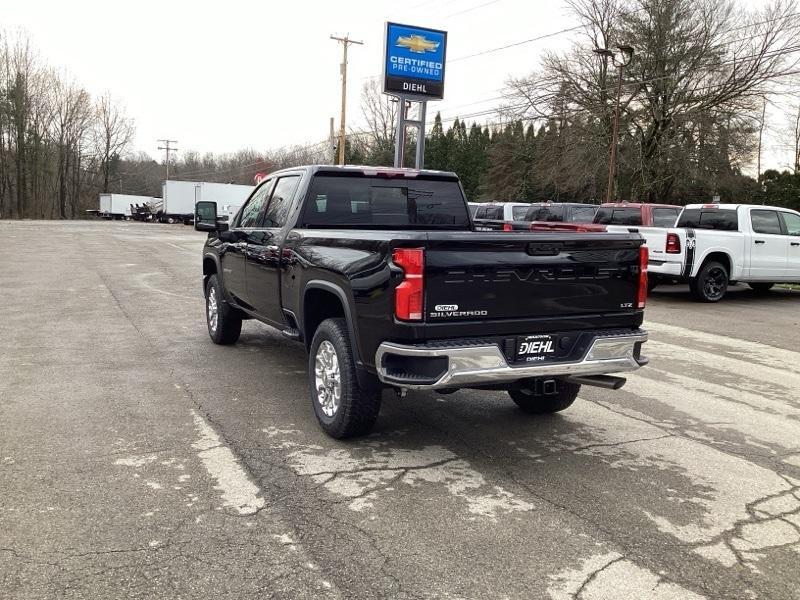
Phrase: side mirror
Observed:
(205, 216)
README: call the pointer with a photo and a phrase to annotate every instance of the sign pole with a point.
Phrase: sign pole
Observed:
(413, 71)
(400, 133)
(421, 136)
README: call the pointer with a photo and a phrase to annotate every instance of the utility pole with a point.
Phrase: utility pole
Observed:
(626, 53)
(760, 137)
(332, 142)
(345, 41)
(168, 149)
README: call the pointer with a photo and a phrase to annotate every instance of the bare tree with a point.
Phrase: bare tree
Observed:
(113, 134)
(71, 122)
(375, 141)
(699, 64)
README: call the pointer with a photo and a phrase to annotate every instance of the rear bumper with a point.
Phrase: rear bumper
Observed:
(665, 268)
(462, 365)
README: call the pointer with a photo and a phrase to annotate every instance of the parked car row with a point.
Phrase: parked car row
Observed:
(708, 246)
(391, 282)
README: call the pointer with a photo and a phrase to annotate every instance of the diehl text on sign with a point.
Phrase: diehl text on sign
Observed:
(414, 61)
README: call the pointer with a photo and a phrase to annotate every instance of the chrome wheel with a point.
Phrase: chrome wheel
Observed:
(212, 309)
(328, 380)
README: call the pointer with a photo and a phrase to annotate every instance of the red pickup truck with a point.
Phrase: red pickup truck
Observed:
(637, 214)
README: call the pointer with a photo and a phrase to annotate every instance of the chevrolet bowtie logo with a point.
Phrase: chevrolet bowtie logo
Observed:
(417, 43)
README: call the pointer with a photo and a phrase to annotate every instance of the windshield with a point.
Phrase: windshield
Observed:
(354, 200)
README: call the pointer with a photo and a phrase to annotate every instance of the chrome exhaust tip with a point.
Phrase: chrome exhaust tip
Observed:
(609, 382)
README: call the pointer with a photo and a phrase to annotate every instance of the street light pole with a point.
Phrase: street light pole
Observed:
(612, 162)
(625, 54)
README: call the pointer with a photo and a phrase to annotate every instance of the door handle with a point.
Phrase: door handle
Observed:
(795, 243)
(760, 242)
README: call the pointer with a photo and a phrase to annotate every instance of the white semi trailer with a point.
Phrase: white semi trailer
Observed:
(178, 203)
(118, 206)
(181, 196)
(228, 196)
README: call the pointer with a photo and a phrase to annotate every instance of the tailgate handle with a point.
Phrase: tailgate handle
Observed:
(543, 249)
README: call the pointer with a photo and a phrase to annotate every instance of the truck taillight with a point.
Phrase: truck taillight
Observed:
(507, 227)
(408, 295)
(673, 244)
(644, 257)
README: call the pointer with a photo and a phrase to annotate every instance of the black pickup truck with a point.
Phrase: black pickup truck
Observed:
(381, 274)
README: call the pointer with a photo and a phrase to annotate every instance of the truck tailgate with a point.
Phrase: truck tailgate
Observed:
(528, 275)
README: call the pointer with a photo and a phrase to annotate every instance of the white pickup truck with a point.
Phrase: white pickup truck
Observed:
(713, 245)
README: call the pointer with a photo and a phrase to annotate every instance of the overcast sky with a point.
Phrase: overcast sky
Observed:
(220, 76)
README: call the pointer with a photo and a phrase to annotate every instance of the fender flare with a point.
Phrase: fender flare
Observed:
(701, 260)
(322, 284)
(218, 264)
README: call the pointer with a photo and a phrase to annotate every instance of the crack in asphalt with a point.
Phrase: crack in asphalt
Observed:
(604, 445)
(594, 575)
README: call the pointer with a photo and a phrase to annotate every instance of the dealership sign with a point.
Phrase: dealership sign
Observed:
(414, 60)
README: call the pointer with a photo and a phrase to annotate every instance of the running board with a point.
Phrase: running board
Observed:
(292, 334)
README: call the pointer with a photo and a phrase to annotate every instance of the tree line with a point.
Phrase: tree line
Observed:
(692, 102)
(58, 145)
(690, 120)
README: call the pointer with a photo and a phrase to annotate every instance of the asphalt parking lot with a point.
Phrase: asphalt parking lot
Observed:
(138, 460)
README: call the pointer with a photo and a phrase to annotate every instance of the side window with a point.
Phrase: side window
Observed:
(251, 211)
(766, 221)
(792, 222)
(518, 212)
(665, 217)
(583, 214)
(281, 201)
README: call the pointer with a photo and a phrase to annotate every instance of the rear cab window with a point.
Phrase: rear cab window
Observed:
(495, 213)
(545, 213)
(518, 212)
(709, 218)
(608, 215)
(665, 217)
(363, 201)
(582, 214)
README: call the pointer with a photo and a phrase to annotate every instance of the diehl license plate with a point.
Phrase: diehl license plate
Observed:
(534, 348)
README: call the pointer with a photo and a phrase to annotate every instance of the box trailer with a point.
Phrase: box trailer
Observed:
(178, 201)
(229, 196)
(118, 206)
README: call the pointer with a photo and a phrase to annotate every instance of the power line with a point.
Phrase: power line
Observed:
(466, 10)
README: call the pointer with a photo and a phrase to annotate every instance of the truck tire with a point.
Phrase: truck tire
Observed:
(342, 406)
(652, 282)
(761, 287)
(711, 282)
(540, 404)
(224, 322)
